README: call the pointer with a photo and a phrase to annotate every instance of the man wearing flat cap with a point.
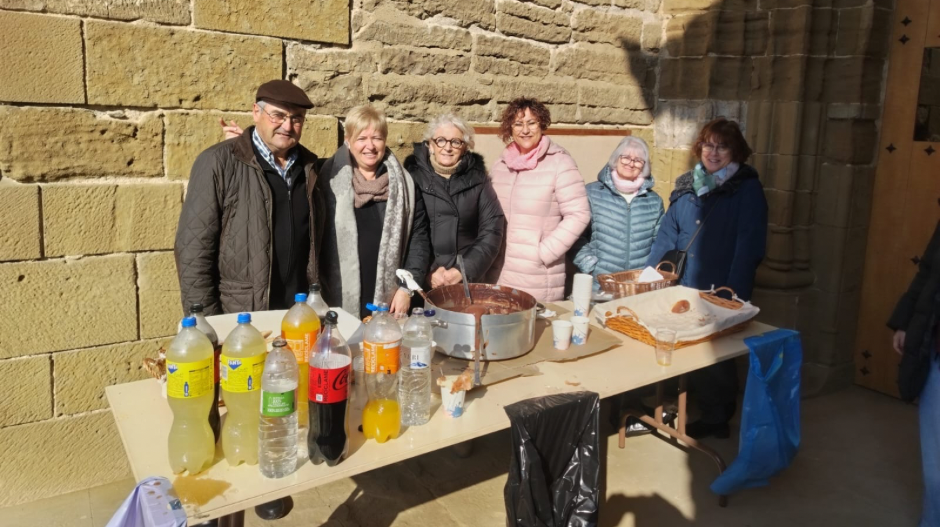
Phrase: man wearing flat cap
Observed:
(246, 237)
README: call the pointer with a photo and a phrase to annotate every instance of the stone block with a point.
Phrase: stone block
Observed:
(777, 308)
(802, 209)
(507, 68)
(45, 144)
(812, 122)
(792, 30)
(652, 36)
(19, 215)
(839, 258)
(564, 113)
(601, 62)
(332, 79)
(756, 34)
(806, 175)
(321, 135)
(402, 136)
(818, 379)
(82, 375)
(618, 116)
(778, 78)
(822, 33)
(690, 35)
(780, 173)
(99, 219)
(189, 133)
(46, 54)
(787, 128)
(107, 315)
(729, 78)
(464, 13)
(678, 122)
(198, 59)
(413, 98)
(623, 30)
(613, 95)
(28, 398)
(851, 142)
(56, 456)
(533, 22)
(161, 11)
(514, 49)
(757, 130)
(779, 207)
(405, 61)
(277, 18)
(685, 78)
(843, 195)
(158, 294)
(685, 6)
(402, 32)
(853, 79)
(550, 91)
(551, 4)
(783, 4)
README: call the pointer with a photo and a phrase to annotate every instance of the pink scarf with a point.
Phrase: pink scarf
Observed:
(518, 161)
(625, 185)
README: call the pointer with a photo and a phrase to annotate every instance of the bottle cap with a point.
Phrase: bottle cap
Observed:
(315, 288)
(279, 343)
(300, 297)
(372, 307)
(382, 307)
(189, 322)
(430, 313)
(331, 317)
(196, 308)
(244, 318)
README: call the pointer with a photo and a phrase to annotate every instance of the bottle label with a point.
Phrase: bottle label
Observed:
(329, 380)
(381, 357)
(241, 375)
(275, 404)
(420, 357)
(187, 380)
(301, 346)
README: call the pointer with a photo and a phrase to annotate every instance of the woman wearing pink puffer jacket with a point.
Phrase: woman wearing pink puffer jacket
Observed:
(544, 201)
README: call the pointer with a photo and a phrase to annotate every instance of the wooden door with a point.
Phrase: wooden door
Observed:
(906, 198)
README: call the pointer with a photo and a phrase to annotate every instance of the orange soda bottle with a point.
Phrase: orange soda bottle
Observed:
(300, 328)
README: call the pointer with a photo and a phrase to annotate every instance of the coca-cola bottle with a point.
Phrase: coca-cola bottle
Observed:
(330, 362)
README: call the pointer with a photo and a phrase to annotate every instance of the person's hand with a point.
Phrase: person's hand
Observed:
(437, 278)
(400, 302)
(231, 129)
(898, 341)
(452, 276)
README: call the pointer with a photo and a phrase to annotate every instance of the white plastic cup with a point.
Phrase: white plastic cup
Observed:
(580, 328)
(665, 344)
(581, 291)
(561, 334)
(452, 403)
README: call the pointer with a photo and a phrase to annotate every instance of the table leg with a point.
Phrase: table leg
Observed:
(236, 519)
(657, 424)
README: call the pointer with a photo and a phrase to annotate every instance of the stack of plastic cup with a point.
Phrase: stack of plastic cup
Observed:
(581, 294)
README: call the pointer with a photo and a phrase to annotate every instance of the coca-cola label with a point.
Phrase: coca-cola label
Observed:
(329, 380)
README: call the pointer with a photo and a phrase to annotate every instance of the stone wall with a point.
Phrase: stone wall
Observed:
(105, 105)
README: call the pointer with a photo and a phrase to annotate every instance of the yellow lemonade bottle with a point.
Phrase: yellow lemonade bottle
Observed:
(190, 388)
(240, 368)
(300, 328)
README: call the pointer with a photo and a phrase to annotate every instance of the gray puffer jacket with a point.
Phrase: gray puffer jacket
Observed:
(223, 243)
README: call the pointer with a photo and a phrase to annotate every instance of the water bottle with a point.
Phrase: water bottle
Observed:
(277, 429)
(315, 301)
(414, 386)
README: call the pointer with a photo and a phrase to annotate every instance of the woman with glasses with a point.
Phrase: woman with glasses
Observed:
(543, 198)
(718, 215)
(463, 211)
(625, 213)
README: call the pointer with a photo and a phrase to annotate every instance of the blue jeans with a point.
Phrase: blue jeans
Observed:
(930, 445)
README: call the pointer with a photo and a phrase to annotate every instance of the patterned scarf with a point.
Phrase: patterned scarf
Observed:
(703, 182)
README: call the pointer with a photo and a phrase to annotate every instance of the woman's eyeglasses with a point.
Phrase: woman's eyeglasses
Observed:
(441, 142)
(632, 161)
(711, 147)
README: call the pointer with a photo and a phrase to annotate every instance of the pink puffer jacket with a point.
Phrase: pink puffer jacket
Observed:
(546, 209)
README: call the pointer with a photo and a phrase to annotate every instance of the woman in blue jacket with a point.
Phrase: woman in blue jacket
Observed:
(723, 201)
(625, 213)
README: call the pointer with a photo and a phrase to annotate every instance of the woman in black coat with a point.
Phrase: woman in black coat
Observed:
(916, 339)
(462, 207)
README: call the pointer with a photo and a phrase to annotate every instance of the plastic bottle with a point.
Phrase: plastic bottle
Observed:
(277, 433)
(203, 325)
(240, 368)
(316, 302)
(381, 346)
(300, 328)
(189, 393)
(414, 386)
(330, 365)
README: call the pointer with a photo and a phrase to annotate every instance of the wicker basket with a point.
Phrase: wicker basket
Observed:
(624, 283)
(628, 325)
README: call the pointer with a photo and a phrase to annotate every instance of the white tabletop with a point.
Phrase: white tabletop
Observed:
(144, 418)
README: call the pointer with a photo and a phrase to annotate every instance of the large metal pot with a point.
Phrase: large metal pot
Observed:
(507, 334)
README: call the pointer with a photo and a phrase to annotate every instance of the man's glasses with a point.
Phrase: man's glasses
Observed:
(277, 118)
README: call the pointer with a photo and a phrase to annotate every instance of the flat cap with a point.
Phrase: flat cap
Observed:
(285, 92)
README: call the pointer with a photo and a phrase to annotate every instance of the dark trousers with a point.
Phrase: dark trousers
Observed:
(715, 390)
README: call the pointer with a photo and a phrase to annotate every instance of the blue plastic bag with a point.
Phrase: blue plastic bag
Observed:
(770, 419)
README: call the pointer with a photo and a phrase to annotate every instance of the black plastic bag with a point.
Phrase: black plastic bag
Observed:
(554, 469)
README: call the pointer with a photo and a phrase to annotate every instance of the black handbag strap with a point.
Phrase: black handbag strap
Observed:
(700, 225)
